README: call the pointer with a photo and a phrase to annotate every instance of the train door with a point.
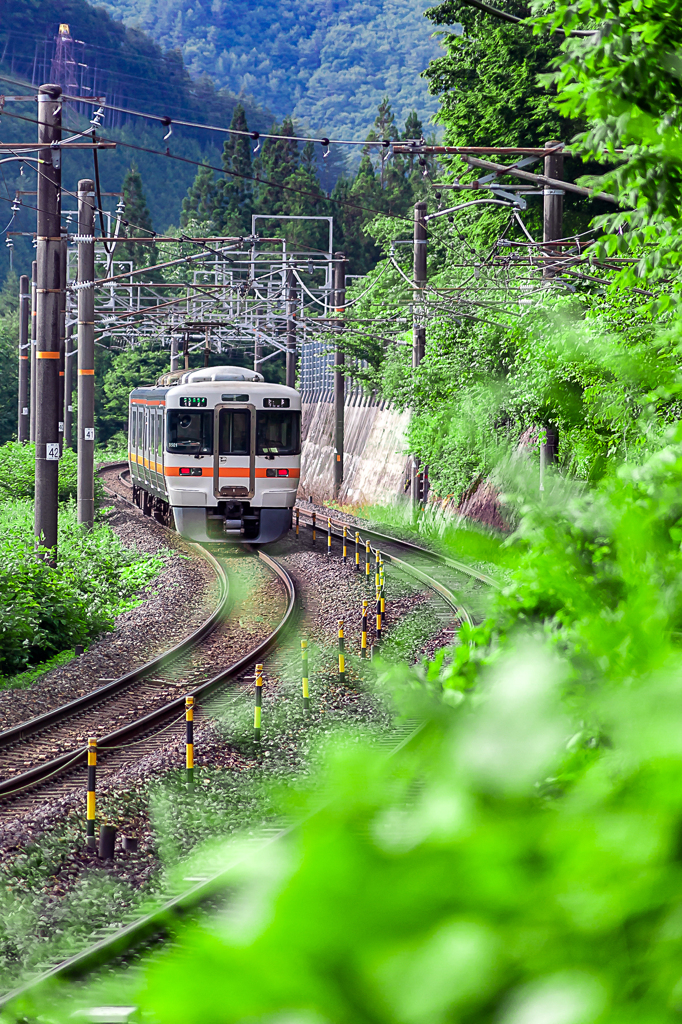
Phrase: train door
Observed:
(234, 451)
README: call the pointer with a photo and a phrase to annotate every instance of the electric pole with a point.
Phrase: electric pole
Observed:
(68, 385)
(418, 329)
(552, 209)
(47, 322)
(86, 353)
(291, 329)
(23, 424)
(174, 352)
(339, 378)
(62, 336)
(34, 317)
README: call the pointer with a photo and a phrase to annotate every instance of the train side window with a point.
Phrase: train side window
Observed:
(131, 428)
(278, 433)
(159, 433)
(189, 432)
(234, 432)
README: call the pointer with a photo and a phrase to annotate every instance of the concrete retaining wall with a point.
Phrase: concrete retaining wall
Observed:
(375, 467)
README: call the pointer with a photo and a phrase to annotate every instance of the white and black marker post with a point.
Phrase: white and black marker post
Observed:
(47, 321)
(86, 353)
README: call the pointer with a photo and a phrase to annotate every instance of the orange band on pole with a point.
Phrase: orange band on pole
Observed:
(86, 373)
(47, 355)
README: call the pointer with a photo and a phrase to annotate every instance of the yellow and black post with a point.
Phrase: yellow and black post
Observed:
(357, 551)
(345, 544)
(382, 591)
(189, 739)
(368, 558)
(259, 702)
(378, 614)
(329, 536)
(314, 531)
(363, 642)
(297, 522)
(304, 675)
(90, 799)
(342, 655)
(377, 563)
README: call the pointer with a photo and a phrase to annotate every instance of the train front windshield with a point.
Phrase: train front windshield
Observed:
(278, 433)
(190, 432)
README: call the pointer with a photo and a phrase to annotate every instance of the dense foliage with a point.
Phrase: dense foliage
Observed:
(44, 611)
(327, 63)
(519, 860)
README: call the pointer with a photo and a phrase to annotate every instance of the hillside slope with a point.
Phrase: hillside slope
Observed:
(329, 62)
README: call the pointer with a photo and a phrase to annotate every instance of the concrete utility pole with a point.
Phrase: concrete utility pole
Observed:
(207, 347)
(174, 352)
(291, 329)
(68, 386)
(23, 424)
(34, 318)
(339, 378)
(418, 329)
(86, 353)
(47, 326)
(553, 208)
(62, 336)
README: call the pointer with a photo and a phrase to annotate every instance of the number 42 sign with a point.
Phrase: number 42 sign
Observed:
(52, 452)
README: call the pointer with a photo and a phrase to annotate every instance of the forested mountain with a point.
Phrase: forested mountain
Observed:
(326, 62)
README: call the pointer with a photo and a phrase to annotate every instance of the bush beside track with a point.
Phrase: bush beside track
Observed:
(46, 611)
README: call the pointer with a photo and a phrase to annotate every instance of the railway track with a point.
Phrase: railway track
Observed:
(457, 584)
(43, 757)
(462, 587)
(130, 943)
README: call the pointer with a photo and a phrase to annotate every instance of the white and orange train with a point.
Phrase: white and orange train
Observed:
(217, 452)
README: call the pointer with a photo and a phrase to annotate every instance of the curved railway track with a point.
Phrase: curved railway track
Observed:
(134, 709)
(457, 584)
(460, 585)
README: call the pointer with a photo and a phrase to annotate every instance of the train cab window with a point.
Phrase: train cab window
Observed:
(234, 432)
(278, 433)
(189, 432)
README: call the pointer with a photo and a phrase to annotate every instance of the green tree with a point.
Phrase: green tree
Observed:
(200, 201)
(278, 162)
(233, 203)
(137, 222)
(625, 80)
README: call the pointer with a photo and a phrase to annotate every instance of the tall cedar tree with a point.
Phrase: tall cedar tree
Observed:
(199, 203)
(139, 222)
(234, 193)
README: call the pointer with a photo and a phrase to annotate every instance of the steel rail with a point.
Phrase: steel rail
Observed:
(468, 570)
(130, 937)
(430, 581)
(145, 727)
(41, 722)
(149, 723)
